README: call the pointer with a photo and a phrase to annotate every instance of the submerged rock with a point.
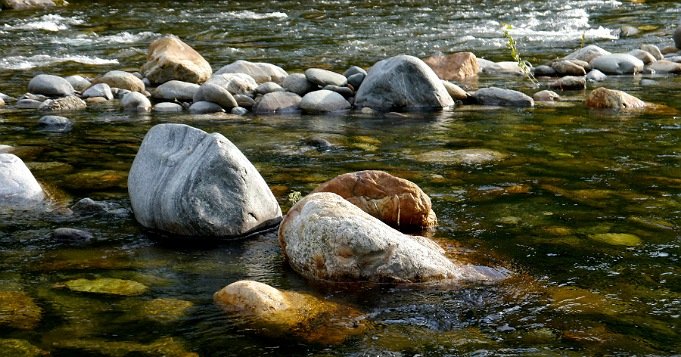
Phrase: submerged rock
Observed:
(169, 59)
(261, 72)
(55, 123)
(393, 200)
(20, 348)
(458, 66)
(122, 80)
(278, 313)
(402, 83)
(53, 86)
(502, 97)
(71, 235)
(187, 182)
(18, 310)
(326, 238)
(166, 346)
(18, 187)
(603, 98)
(164, 310)
(624, 239)
(107, 286)
(461, 156)
(323, 101)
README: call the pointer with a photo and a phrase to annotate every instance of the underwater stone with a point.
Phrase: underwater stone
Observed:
(624, 239)
(107, 286)
(18, 310)
(187, 182)
(280, 313)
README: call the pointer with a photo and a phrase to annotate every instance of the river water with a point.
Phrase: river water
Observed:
(585, 209)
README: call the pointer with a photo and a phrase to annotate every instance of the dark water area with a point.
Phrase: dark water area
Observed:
(584, 209)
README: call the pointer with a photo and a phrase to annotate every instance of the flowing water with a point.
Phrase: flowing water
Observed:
(585, 208)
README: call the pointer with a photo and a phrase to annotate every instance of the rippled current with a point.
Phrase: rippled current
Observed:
(560, 211)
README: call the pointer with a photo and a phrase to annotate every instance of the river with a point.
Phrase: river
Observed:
(585, 209)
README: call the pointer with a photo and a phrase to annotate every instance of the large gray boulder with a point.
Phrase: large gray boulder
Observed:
(261, 72)
(326, 238)
(278, 103)
(187, 182)
(49, 85)
(502, 97)
(176, 90)
(18, 187)
(402, 83)
(323, 101)
(617, 63)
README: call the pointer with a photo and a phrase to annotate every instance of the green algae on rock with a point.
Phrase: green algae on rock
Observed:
(461, 157)
(625, 239)
(164, 310)
(107, 286)
(18, 310)
(284, 313)
(166, 346)
(12, 347)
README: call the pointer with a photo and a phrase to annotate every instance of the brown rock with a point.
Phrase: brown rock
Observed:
(122, 80)
(664, 67)
(169, 58)
(603, 98)
(393, 200)
(458, 66)
(287, 313)
(568, 68)
(456, 92)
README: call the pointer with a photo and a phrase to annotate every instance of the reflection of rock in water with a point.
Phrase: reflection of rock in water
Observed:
(261, 258)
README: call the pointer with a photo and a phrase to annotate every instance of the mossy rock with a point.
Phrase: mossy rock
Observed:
(164, 310)
(18, 310)
(166, 346)
(625, 239)
(461, 157)
(107, 286)
(20, 348)
(575, 300)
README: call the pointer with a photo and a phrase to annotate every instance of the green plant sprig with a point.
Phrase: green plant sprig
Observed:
(511, 45)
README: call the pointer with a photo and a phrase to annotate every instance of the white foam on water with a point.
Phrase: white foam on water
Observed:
(250, 15)
(93, 38)
(50, 23)
(23, 62)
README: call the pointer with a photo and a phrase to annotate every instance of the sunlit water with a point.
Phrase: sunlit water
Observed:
(571, 177)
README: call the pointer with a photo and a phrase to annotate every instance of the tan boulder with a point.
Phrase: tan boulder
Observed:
(279, 313)
(458, 66)
(29, 4)
(603, 98)
(393, 200)
(169, 58)
(122, 80)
